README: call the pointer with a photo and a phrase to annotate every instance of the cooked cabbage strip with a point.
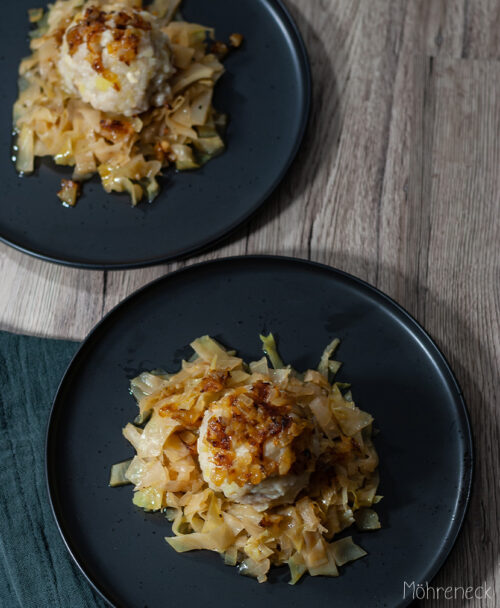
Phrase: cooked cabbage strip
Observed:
(166, 473)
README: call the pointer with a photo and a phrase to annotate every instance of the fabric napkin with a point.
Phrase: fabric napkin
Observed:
(35, 568)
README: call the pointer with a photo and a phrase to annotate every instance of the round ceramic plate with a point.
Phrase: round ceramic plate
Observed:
(265, 92)
(397, 374)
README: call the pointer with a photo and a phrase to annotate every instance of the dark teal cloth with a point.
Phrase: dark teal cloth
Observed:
(35, 568)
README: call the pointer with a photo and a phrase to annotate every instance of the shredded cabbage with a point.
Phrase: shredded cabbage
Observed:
(167, 476)
(118, 475)
(127, 153)
(345, 550)
(367, 519)
(324, 364)
(269, 346)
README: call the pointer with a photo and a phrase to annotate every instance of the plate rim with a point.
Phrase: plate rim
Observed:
(466, 479)
(299, 49)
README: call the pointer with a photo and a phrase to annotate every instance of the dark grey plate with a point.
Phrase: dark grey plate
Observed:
(397, 372)
(266, 92)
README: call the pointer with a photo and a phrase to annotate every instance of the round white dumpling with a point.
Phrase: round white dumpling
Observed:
(255, 452)
(117, 59)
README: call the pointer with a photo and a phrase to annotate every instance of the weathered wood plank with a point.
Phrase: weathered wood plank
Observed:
(481, 29)
(46, 299)
(460, 282)
(439, 257)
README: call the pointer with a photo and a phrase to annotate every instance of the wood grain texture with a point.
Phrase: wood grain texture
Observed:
(398, 182)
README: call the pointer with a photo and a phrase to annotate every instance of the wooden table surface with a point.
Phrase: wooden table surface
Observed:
(398, 182)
